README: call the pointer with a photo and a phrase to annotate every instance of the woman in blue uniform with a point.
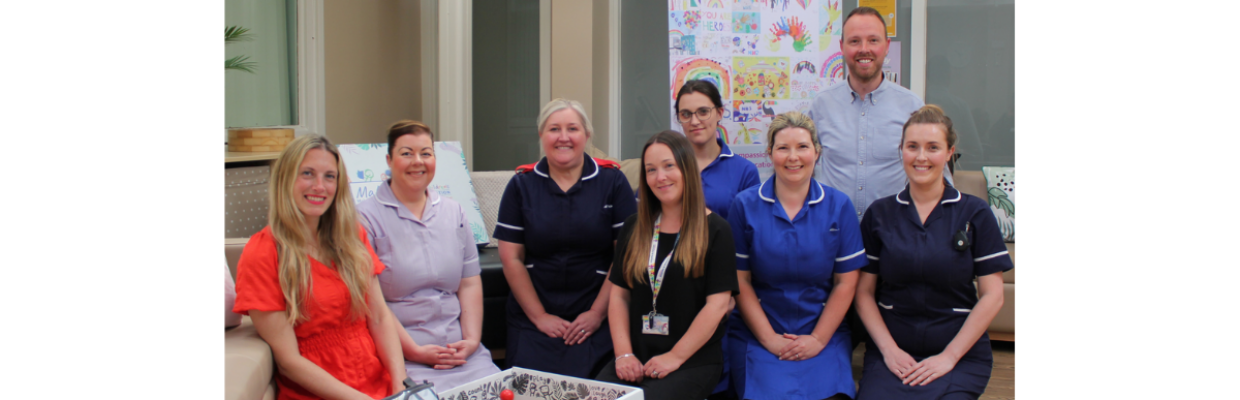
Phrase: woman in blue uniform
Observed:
(699, 107)
(557, 226)
(926, 321)
(798, 247)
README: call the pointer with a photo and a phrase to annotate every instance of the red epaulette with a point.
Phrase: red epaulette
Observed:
(602, 163)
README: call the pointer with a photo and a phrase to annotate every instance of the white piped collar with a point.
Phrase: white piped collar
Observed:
(950, 194)
(768, 195)
(589, 168)
(724, 151)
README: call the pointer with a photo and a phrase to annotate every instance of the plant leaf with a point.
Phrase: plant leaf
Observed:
(240, 63)
(236, 34)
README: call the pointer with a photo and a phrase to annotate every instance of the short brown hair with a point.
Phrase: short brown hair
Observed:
(931, 114)
(863, 11)
(407, 127)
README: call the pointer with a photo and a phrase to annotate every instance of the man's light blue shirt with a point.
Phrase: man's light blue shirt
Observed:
(861, 140)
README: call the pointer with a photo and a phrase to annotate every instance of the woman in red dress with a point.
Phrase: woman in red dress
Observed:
(309, 281)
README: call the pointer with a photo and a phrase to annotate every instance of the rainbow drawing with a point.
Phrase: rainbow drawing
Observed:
(805, 66)
(700, 68)
(804, 4)
(714, 3)
(833, 67)
(723, 133)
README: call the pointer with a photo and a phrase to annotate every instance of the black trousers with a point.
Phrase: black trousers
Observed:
(684, 383)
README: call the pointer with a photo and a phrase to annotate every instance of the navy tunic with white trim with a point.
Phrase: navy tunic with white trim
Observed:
(792, 265)
(926, 288)
(568, 239)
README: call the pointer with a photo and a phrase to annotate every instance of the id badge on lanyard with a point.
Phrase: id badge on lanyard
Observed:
(655, 323)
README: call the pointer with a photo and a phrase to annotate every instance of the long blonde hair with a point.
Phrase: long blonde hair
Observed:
(691, 252)
(337, 232)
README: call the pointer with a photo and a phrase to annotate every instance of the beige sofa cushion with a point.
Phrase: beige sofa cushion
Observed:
(489, 187)
(248, 364)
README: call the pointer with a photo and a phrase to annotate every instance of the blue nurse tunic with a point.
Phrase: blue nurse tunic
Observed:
(568, 249)
(792, 263)
(725, 177)
(721, 181)
(926, 290)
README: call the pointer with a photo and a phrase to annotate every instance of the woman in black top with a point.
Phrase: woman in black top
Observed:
(670, 345)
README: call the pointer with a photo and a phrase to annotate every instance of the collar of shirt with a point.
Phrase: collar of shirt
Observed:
(589, 168)
(815, 196)
(386, 197)
(950, 196)
(724, 152)
(882, 87)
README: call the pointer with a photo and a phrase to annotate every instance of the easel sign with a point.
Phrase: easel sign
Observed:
(367, 168)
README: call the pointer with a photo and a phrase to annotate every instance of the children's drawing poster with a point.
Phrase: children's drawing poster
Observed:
(367, 167)
(891, 65)
(766, 57)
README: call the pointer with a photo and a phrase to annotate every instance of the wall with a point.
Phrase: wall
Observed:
(579, 59)
(372, 71)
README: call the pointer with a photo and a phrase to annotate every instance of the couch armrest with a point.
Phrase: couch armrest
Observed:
(248, 364)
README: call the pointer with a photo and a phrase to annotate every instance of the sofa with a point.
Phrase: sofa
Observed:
(1004, 326)
(249, 367)
(489, 187)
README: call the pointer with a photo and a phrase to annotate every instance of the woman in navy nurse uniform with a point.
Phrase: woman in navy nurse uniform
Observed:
(926, 320)
(557, 226)
(798, 248)
(699, 107)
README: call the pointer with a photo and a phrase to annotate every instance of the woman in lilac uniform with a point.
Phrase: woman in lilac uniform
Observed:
(927, 323)
(431, 282)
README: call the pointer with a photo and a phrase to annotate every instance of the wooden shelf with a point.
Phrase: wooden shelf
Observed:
(232, 156)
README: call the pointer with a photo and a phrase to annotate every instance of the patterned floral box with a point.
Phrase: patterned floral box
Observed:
(528, 384)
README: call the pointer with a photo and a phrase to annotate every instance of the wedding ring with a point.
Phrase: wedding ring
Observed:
(655, 374)
(583, 331)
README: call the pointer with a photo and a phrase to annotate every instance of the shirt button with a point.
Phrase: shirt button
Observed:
(863, 113)
(860, 187)
(863, 138)
(860, 162)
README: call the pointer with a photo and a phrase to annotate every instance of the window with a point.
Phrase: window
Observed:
(283, 45)
(265, 93)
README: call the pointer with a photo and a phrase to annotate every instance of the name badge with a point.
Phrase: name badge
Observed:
(655, 324)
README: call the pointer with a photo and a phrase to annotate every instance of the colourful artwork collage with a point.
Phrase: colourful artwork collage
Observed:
(765, 56)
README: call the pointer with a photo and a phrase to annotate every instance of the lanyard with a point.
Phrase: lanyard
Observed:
(656, 279)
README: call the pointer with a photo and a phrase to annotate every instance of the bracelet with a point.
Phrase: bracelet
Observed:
(623, 356)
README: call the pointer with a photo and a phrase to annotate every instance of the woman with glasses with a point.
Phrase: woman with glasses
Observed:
(699, 107)
(798, 248)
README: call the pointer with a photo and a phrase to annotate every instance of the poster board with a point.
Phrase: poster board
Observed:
(367, 168)
(766, 57)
